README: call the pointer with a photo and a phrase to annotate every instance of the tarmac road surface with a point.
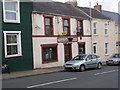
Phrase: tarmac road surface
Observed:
(107, 77)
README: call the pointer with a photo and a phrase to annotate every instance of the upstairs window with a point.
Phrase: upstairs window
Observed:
(79, 27)
(106, 28)
(11, 12)
(95, 28)
(12, 43)
(117, 43)
(48, 26)
(66, 26)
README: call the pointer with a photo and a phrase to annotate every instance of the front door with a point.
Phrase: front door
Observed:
(81, 48)
(68, 51)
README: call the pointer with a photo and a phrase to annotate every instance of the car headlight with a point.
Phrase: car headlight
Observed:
(75, 65)
(116, 60)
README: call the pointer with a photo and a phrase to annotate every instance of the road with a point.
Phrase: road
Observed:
(107, 77)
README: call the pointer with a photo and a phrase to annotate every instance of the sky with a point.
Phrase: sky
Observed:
(109, 5)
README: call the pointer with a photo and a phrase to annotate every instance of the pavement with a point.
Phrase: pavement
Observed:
(31, 72)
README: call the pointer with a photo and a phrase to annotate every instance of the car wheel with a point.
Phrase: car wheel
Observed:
(99, 66)
(107, 64)
(82, 68)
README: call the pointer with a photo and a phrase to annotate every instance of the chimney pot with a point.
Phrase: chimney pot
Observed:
(72, 2)
(98, 7)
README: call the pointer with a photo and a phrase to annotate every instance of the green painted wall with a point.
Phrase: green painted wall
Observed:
(25, 62)
(0, 36)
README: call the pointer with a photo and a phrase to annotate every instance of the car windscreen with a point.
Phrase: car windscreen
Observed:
(116, 56)
(79, 57)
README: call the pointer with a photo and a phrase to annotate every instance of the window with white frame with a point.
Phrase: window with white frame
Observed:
(95, 28)
(106, 28)
(80, 27)
(12, 43)
(11, 12)
(95, 48)
(118, 43)
(106, 48)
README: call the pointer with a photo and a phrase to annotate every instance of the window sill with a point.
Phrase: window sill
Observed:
(47, 62)
(106, 35)
(11, 21)
(11, 56)
(106, 54)
(95, 34)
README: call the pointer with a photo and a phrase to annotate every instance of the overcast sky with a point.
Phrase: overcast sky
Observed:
(109, 5)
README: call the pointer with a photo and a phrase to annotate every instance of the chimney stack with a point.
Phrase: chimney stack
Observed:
(72, 2)
(98, 7)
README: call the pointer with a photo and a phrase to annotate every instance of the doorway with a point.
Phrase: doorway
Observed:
(81, 48)
(67, 52)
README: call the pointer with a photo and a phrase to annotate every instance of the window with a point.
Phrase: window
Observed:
(118, 43)
(66, 26)
(106, 48)
(95, 48)
(106, 28)
(49, 54)
(48, 26)
(94, 28)
(95, 56)
(89, 57)
(11, 11)
(79, 27)
(12, 43)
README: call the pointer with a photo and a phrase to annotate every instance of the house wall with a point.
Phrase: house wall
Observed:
(117, 34)
(100, 38)
(24, 62)
(39, 39)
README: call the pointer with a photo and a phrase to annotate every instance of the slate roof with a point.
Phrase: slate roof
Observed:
(58, 8)
(66, 9)
(114, 16)
(94, 13)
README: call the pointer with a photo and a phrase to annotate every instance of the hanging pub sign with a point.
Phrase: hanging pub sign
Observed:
(66, 39)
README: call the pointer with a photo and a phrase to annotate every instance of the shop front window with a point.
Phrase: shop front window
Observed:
(49, 54)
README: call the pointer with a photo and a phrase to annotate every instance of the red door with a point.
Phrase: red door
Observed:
(68, 52)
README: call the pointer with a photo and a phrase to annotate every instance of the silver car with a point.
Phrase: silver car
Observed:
(83, 61)
(114, 59)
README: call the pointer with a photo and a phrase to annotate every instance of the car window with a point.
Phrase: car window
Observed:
(79, 57)
(116, 56)
(95, 56)
(89, 57)
(76, 58)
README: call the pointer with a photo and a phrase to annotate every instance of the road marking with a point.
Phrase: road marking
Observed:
(51, 82)
(106, 72)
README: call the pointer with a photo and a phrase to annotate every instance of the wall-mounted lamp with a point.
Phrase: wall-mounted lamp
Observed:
(37, 27)
(59, 20)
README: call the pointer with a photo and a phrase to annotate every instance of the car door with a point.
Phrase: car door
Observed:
(88, 61)
(94, 61)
